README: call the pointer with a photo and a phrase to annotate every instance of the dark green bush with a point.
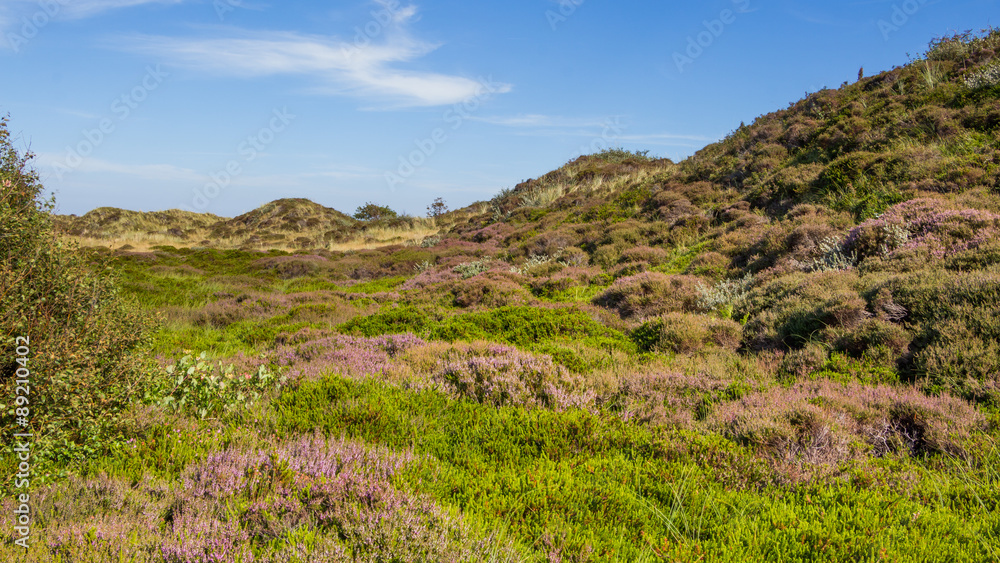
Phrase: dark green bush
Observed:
(685, 333)
(799, 308)
(373, 212)
(396, 320)
(86, 340)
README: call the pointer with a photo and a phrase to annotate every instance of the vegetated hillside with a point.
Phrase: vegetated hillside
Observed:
(111, 221)
(861, 222)
(284, 223)
(786, 347)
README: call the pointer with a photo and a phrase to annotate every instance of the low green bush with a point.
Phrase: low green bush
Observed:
(522, 326)
(201, 387)
(684, 333)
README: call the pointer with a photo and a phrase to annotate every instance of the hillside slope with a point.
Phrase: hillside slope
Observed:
(858, 226)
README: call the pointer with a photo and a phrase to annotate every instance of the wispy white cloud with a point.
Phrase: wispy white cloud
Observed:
(20, 20)
(86, 8)
(78, 113)
(667, 137)
(365, 67)
(539, 125)
(160, 172)
(70, 9)
(539, 120)
(180, 176)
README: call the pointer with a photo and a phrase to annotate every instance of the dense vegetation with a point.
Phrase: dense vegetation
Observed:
(85, 342)
(786, 347)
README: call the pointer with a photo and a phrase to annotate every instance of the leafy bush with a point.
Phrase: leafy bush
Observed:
(85, 340)
(437, 208)
(203, 388)
(374, 212)
(620, 155)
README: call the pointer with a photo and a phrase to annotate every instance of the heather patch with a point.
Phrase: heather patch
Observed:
(322, 499)
(347, 355)
(502, 375)
(650, 294)
(924, 224)
(824, 423)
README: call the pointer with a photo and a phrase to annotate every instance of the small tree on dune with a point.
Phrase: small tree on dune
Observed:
(373, 212)
(438, 208)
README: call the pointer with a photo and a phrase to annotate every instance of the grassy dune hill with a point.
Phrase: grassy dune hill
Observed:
(111, 221)
(285, 224)
(786, 347)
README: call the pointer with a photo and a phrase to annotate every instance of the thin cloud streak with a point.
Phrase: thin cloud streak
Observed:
(77, 9)
(169, 172)
(538, 125)
(341, 67)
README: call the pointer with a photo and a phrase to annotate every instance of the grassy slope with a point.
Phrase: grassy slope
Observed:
(785, 347)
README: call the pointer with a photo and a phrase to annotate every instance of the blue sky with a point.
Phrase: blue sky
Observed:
(223, 105)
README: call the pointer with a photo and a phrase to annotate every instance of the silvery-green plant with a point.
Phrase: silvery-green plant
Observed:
(725, 295)
(470, 269)
(983, 78)
(531, 262)
(204, 387)
(833, 257)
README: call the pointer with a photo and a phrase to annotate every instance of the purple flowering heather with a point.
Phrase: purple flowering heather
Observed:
(347, 355)
(924, 223)
(503, 375)
(239, 501)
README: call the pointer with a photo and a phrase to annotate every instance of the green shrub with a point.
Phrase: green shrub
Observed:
(524, 326)
(203, 388)
(649, 294)
(373, 212)
(85, 340)
(620, 155)
(684, 333)
(396, 320)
